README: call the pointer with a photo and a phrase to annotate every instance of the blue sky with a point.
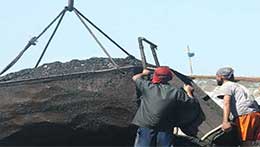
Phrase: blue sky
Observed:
(220, 32)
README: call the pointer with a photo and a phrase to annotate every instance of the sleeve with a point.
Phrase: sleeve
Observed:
(142, 84)
(224, 90)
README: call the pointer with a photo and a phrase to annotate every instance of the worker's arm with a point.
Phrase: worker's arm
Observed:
(186, 94)
(226, 125)
(144, 73)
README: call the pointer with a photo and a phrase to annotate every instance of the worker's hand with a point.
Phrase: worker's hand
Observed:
(146, 72)
(226, 126)
(189, 89)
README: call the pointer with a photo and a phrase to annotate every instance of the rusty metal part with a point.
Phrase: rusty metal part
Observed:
(153, 48)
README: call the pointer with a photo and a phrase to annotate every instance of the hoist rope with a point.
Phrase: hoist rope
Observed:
(95, 38)
(50, 39)
(60, 17)
(45, 29)
(32, 41)
(102, 32)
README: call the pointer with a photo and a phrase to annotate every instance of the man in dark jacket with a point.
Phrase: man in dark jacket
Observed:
(155, 115)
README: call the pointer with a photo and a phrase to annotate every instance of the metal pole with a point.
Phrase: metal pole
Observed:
(153, 47)
(70, 5)
(155, 56)
(141, 47)
(191, 70)
(149, 42)
(190, 62)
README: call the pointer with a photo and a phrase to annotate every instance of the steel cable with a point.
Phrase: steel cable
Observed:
(31, 42)
(50, 39)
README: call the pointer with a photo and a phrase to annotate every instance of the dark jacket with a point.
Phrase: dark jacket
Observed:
(158, 105)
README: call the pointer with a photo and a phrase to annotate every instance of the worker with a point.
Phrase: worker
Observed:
(154, 116)
(237, 101)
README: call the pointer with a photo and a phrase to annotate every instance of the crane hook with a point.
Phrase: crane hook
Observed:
(70, 5)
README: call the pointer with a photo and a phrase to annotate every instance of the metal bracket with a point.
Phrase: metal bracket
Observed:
(153, 48)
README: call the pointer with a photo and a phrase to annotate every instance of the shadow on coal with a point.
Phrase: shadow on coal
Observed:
(48, 134)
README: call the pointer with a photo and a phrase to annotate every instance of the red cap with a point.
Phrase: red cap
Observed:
(162, 74)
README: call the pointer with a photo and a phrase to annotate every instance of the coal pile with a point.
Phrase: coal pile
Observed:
(90, 108)
(82, 102)
(74, 66)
